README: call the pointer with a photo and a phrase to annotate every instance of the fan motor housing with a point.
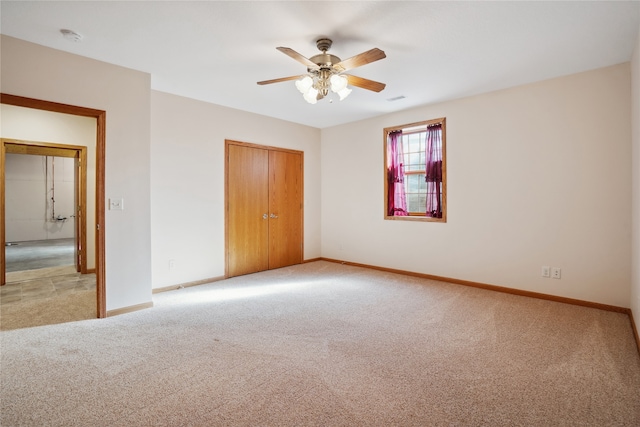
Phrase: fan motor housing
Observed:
(325, 60)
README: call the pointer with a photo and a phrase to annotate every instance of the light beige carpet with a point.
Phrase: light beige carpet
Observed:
(323, 344)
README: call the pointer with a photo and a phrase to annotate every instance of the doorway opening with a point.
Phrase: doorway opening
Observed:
(45, 187)
(98, 225)
(48, 269)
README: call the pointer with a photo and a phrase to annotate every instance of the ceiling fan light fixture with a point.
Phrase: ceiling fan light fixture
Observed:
(324, 73)
(338, 83)
(304, 84)
(311, 95)
(343, 93)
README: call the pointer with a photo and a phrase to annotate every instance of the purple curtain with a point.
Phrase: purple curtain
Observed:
(396, 198)
(434, 170)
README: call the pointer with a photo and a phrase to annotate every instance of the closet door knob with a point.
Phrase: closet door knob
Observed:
(264, 216)
(273, 216)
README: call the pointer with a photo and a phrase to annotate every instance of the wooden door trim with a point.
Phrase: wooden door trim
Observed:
(79, 152)
(100, 116)
(228, 142)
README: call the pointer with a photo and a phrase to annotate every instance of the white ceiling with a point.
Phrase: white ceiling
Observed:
(216, 51)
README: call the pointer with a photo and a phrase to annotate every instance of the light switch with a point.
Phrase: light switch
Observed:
(116, 204)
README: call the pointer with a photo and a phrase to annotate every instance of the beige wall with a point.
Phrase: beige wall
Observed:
(187, 176)
(18, 123)
(635, 122)
(537, 175)
(38, 72)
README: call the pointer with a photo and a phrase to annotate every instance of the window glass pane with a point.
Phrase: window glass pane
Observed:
(414, 155)
(419, 144)
(422, 203)
(415, 189)
(422, 184)
(414, 142)
(412, 183)
(414, 159)
(413, 203)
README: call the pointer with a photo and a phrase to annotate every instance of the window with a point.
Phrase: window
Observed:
(415, 171)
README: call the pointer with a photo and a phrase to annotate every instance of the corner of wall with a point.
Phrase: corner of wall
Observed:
(635, 187)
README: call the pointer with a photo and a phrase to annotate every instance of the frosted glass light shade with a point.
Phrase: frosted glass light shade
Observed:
(311, 96)
(338, 83)
(344, 93)
(304, 84)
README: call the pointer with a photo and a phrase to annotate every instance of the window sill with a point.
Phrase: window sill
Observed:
(415, 218)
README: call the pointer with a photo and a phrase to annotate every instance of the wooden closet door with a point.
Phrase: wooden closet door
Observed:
(285, 209)
(247, 215)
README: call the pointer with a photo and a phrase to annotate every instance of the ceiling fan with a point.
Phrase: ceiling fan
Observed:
(325, 72)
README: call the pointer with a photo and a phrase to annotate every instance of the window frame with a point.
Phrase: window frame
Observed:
(415, 128)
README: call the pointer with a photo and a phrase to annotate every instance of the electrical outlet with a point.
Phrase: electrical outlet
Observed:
(546, 271)
(556, 273)
(172, 265)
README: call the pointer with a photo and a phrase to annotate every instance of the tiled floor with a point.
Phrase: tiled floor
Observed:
(42, 286)
(46, 287)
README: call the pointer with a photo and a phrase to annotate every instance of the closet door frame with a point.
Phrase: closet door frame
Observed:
(229, 142)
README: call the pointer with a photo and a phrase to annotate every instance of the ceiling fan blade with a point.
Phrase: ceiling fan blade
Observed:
(365, 83)
(282, 79)
(359, 60)
(295, 55)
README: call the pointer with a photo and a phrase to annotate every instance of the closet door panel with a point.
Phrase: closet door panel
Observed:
(285, 209)
(248, 203)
